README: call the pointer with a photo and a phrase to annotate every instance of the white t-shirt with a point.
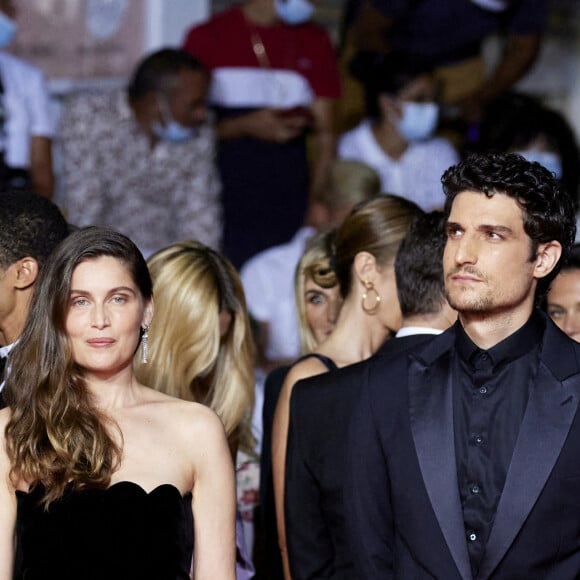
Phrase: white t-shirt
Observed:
(415, 176)
(28, 109)
(268, 280)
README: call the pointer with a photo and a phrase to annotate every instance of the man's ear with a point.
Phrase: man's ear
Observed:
(26, 273)
(547, 257)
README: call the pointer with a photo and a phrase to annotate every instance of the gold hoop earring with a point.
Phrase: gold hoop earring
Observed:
(145, 345)
(370, 287)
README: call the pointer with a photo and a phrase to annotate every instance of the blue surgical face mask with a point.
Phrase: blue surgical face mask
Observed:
(294, 11)
(418, 121)
(7, 30)
(171, 130)
(548, 159)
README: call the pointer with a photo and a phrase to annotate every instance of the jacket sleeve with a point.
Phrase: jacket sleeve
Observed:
(308, 541)
(368, 510)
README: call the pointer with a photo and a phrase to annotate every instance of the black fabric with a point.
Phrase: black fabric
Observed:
(328, 363)
(272, 388)
(490, 393)
(404, 514)
(121, 533)
(265, 192)
(272, 559)
(320, 412)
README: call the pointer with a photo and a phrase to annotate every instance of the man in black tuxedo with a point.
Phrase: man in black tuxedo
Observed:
(31, 226)
(321, 406)
(467, 466)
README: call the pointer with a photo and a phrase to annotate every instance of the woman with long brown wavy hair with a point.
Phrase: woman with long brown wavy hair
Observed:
(99, 475)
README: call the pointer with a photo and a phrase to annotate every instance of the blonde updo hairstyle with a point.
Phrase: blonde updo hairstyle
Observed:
(315, 265)
(188, 358)
(376, 226)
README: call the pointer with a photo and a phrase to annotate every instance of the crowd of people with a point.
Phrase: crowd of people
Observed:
(248, 346)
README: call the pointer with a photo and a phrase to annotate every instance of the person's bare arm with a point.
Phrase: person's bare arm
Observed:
(41, 171)
(214, 501)
(264, 124)
(520, 54)
(372, 29)
(306, 368)
(325, 141)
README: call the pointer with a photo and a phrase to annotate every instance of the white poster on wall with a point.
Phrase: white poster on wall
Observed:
(77, 39)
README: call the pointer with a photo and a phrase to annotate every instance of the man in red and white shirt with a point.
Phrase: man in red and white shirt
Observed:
(274, 77)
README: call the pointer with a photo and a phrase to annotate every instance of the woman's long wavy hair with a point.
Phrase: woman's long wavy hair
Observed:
(188, 357)
(55, 436)
(314, 265)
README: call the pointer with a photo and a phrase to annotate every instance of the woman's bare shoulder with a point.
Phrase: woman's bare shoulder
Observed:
(304, 369)
(182, 413)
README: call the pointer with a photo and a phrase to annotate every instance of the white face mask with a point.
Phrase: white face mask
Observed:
(418, 121)
(548, 159)
(294, 11)
(7, 30)
(171, 130)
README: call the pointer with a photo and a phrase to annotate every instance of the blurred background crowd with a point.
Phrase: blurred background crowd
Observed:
(254, 128)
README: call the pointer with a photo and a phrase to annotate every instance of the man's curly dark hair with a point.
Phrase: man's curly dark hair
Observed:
(30, 226)
(548, 209)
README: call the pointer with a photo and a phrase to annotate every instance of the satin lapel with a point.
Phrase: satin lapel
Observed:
(547, 420)
(431, 414)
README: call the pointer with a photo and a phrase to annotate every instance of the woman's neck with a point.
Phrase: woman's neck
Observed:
(260, 12)
(113, 391)
(356, 336)
(389, 139)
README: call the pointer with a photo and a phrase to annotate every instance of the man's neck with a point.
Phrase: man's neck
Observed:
(260, 12)
(12, 327)
(486, 330)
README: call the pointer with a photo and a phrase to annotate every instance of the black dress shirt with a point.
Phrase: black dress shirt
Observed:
(490, 393)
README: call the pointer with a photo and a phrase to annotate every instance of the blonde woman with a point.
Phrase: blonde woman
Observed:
(317, 295)
(365, 248)
(200, 345)
(318, 302)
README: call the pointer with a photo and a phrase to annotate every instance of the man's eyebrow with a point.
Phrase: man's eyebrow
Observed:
(495, 228)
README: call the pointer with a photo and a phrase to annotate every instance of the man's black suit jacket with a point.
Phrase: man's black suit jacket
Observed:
(320, 409)
(404, 515)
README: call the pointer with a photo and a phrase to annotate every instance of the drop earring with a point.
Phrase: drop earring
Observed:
(370, 288)
(145, 345)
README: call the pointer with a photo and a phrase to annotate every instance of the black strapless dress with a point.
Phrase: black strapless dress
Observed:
(119, 533)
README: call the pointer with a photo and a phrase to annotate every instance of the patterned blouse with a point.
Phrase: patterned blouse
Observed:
(112, 177)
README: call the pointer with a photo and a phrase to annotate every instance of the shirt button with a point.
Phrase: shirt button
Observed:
(478, 440)
(472, 536)
(475, 489)
(483, 390)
